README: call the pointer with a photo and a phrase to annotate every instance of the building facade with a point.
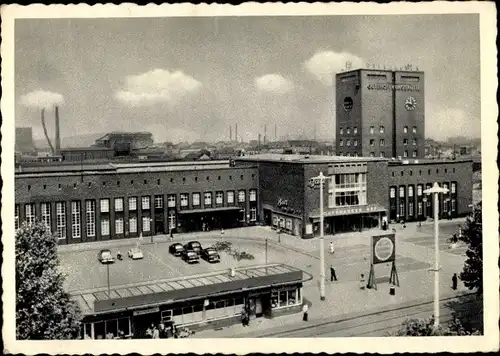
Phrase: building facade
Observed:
(380, 113)
(82, 203)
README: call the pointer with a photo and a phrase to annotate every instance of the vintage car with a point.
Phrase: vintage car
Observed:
(190, 256)
(105, 256)
(210, 255)
(176, 249)
(135, 253)
(194, 246)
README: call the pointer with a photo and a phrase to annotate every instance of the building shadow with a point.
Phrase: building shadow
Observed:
(469, 310)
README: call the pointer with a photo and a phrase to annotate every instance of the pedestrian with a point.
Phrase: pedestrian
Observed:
(149, 332)
(119, 255)
(222, 233)
(244, 317)
(333, 275)
(362, 282)
(332, 248)
(172, 234)
(156, 333)
(454, 281)
(305, 310)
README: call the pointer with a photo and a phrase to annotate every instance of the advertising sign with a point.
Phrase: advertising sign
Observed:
(146, 311)
(383, 248)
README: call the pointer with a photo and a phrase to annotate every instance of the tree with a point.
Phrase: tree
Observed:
(472, 235)
(425, 327)
(44, 311)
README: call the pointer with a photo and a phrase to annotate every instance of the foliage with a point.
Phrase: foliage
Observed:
(44, 311)
(425, 327)
(227, 247)
(472, 235)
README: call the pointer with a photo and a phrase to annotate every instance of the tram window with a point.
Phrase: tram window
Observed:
(99, 330)
(124, 325)
(210, 306)
(187, 310)
(230, 302)
(177, 311)
(283, 298)
(112, 327)
(198, 308)
(238, 301)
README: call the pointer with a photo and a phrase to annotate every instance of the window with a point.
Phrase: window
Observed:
(118, 204)
(171, 219)
(119, 225)
(341, 130)
(185, 200)
(348, 143)
(132, 224)
(381, 129)
(382, 154)
(453, 188)
(241, 196)
(253, 195)
(158, 201)
(350, 189)
(414, 129)
(171, 200)
(207, 199)
(145, 203)
(401, 192)
(104, 205)
(46, 218)
(284, 298)
(230, 197)
(29, 213)
(242, 215)
(146, 224)
(355, 130)
(372, 154)
(90, 211)
(410, 191)
(219, 198)
(453, 205)
(145, 181)
(355, 143)
(405, 154)
(348, 154)
(288, 224)
(348, 131)
(76, 230)
(132, 203)
(419, 208)
(196, 199)
(158, 182)
(414, 154)
(104, 226)
(419, 190)
(372, 142)
(341, 143)
(405, 129)
(61, 219)
(411, 172)
(414, 142)
(16, 217)
(405, 142)
(253, 214)
(382, 142)
(392, 193)
(372, 130)
(445, 170)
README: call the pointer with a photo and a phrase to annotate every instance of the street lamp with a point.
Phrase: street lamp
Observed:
(314, 182)
(436, 189)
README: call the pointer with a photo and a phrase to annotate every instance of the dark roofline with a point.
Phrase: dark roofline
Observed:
(380, 70)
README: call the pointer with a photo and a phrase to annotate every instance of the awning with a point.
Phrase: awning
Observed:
(209, 210)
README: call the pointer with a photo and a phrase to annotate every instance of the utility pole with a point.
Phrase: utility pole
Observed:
(109, 288)
(436, 190)
(266, 255)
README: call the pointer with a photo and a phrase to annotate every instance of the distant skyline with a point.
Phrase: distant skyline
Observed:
(187, 79)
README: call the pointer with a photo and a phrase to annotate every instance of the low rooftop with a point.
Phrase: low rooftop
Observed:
(304, 159)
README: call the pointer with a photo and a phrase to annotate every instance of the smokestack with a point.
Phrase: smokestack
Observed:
(275, 132)
(259, 143)
(265, 134)
(58, 133)
(230, 133)
(236, 132)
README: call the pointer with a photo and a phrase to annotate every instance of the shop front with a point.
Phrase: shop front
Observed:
(203, 301)
(283, 221)
(211, 219)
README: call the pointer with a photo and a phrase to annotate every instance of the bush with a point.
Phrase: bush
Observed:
(425, 327)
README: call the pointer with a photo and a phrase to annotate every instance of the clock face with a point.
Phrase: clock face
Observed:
(410, 103)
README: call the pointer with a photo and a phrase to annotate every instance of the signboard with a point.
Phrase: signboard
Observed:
(383, 248)
(146, 311)
(353, 210)
(394, 87)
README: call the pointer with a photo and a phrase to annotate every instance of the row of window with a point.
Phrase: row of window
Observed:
(90, 214)
(420, 190)
(429, 172)
(381, 129)
(132, 182)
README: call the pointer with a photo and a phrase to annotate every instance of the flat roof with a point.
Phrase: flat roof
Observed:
(304, 159)
(409, 162)
(148, 294)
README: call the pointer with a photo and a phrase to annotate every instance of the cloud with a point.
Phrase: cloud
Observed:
(156, 86)
(163, 133)
(324, 65)
(449, 122)
(41, 99)
(274, 83)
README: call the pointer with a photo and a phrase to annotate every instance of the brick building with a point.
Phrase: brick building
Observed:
(110, 201)
(380, 113)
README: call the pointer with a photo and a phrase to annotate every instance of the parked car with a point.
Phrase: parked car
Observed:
(176, 249)
(194, 246)
(190, 256)
(210, 255)
(105, 256)
(135, 253)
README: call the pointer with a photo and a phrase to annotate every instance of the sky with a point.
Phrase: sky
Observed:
(190, 78)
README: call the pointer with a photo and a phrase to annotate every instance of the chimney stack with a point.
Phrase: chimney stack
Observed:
(259, 143)
(236, 132)
(275, 132)
(230, 133)
(58, 133)
(265, 134)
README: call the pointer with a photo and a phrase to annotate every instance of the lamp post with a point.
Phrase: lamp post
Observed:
(436, 189)
(109, 288)
(314, 182)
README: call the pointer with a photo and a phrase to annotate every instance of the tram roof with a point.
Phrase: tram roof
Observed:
(167, 291)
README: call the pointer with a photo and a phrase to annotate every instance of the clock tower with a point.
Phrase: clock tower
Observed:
(380, 113)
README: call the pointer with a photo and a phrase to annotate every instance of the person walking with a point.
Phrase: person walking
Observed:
(156, 333)
(305, 310)
(331, 248)
(454, 281)
(333, 275)
(172, 234)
